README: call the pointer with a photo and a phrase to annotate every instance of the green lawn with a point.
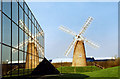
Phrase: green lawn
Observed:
(109, 72)
(92, 73)
(78, 69)
(89, 72)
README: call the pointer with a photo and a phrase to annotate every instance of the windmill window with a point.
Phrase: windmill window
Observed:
(80, 55)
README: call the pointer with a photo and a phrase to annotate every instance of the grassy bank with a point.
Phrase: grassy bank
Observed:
(78, 69)
(89, 72)
(109, 73)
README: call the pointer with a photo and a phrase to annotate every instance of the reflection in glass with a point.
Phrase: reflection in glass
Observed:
(6, 30)
(20, 38)
(21, 57)
(26, 9)
(0, 55)
(7, 8)
(26, 20)
(39, 53)
(0, 4)
(29, 14)
(30, 25)
(32, 19)
(33, 28)
(20, 13)
(6, 51)
(37, 33)
(0, 26)
(21, 3)
(14, 35)
(15, 57)
(40, 39)
(15, 12)
(26, 38)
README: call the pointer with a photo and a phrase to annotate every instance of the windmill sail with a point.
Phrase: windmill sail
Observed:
(70, 47)
(67, 30)
(85, 26)
(78, 37)
(90, 42)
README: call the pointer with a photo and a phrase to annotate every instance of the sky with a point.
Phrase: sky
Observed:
(103, 30)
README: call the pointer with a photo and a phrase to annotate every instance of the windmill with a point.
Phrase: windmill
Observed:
(33, 46)
(79, 56)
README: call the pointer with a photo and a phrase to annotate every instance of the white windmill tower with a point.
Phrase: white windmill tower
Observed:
(33, 47)
(79, 56)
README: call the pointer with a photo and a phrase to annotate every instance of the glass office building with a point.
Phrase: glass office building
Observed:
(18, 28)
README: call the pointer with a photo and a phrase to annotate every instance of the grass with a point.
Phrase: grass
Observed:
(78, 69)
(89, 72)
(109, 73)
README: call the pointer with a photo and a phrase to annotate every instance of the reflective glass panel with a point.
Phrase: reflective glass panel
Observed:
(15, 12)
(20, 56)
(20, 14)
(26, 9)
(7, 8)
(37, 26)
(0, 26)
(37, 33)
(42, 42)
(0, 63)
(29, 14)
(6, 51)
(6, 30)
(14, 35)
(26, 20)
(21, 3)
(32, 28)
(0, 4)
(26, 39)
(30, 25)
(20, 38)
(15, 56)
(32, 19)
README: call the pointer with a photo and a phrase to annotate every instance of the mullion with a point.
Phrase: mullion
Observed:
(1, 31)
(11, 39)
(28, 15)
(23, 40)
(19, 50)
(34, 46)
(9, 18)
(14, 48)
(18, 40)
(31, 44)
(28, 43)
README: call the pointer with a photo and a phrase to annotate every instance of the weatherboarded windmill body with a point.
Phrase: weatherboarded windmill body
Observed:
(79, 55)
(33, 46)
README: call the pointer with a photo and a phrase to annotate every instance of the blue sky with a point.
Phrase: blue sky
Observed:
(103, 30)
